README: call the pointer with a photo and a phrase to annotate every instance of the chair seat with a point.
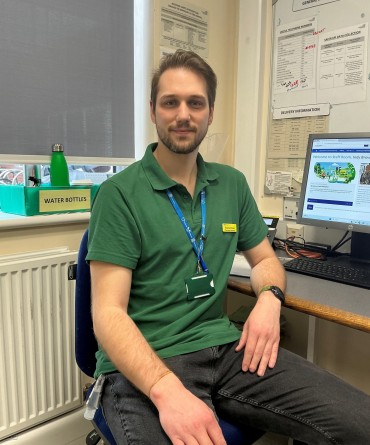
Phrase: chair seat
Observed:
(234, 435)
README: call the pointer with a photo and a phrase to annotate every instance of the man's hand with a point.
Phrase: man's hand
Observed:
(184, 417)
(261, 335)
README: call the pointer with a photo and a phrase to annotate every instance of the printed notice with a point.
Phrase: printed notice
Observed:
(295, 166)
(301, 111)
(64, 200)
(288, 137)
(295, 56)
(342, 65)
(278, 182)
(305, 4)
(184, 26)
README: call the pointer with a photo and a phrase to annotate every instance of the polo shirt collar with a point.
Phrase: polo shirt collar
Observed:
(160, 181)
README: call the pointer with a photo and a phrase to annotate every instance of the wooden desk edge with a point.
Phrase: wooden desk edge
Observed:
(311, 308)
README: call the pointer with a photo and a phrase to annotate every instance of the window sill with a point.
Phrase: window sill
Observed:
(10, 221)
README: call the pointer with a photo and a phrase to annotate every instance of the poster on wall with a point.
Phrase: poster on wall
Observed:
(295, 56)
(342, 65)
(184, 26)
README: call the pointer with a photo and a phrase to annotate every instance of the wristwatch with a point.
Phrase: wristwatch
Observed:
(279, 294)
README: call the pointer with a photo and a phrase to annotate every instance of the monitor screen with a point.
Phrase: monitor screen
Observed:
(336, 182)
(336, 187)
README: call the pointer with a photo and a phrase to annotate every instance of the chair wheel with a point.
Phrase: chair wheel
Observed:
(92, 438)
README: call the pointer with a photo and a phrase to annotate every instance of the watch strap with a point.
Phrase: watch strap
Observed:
(279, 294)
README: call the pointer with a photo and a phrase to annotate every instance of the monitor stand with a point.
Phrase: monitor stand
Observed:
(360, 250)
(360, 246)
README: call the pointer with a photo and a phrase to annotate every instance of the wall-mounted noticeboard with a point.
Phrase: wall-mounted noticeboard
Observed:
(320, 79)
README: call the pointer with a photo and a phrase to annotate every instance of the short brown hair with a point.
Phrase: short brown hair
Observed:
(190, 61)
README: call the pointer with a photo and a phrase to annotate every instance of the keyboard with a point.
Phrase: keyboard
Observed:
(342, 270)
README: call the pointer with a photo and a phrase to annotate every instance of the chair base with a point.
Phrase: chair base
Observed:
(93, 438)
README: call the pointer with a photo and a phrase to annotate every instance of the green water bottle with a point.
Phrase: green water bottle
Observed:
(59, 175)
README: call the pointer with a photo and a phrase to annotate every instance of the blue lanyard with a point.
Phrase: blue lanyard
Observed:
(198, 249)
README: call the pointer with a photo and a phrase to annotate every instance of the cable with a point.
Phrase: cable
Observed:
(341, 242)
(296, 249)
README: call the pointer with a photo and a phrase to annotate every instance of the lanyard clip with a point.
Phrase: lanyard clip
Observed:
(92, 403)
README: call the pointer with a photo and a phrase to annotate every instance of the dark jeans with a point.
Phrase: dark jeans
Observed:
(295, 398)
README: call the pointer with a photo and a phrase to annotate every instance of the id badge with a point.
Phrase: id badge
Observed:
(199, 285)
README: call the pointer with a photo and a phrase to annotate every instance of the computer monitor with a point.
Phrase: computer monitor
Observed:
(336, 187)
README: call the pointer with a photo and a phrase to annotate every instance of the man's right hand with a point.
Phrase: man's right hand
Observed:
(185, 418)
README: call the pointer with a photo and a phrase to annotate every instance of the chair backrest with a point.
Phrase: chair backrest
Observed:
(85, 341)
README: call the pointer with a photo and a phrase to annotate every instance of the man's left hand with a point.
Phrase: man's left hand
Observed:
(261, 335)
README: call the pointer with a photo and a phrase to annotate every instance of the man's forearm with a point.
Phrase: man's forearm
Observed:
(268, 272)
(128, 349)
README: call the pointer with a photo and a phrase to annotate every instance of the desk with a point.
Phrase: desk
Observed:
(340, 303)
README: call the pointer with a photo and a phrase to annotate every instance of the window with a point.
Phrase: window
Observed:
(67, 76)
(18, 174)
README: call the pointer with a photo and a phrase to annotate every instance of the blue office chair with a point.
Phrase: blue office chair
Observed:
(86, 346)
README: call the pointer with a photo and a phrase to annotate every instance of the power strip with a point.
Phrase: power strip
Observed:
(318, 247)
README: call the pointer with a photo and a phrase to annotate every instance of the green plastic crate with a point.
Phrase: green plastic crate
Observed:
(29, 201)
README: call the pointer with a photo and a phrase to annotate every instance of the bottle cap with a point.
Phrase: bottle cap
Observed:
(57, 147)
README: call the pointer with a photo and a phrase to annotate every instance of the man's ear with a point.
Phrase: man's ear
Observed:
(210, 118)
(152, 112)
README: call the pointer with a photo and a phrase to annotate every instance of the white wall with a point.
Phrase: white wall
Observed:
(253, 78)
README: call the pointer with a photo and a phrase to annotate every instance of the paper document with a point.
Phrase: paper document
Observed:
(288, 137)
(342, 71)
(295, 56)
(278, 182)
(184, 25)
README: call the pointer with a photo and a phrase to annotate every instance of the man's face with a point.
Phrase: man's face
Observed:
(182, 113)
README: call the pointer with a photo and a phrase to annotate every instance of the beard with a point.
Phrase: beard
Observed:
(178, 146)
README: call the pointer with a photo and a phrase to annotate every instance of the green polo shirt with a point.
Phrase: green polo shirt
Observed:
(134, 225)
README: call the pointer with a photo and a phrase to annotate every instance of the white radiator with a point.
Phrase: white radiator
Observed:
(39, 379)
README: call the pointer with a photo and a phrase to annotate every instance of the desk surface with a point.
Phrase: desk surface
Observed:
(340, 303)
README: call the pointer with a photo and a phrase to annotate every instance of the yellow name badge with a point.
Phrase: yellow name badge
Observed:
(64, 200)
(229, 227)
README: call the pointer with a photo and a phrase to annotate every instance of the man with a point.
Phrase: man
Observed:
(365, 176)
(163, 235)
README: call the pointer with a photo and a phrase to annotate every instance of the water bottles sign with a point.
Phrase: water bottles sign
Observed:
(64, 200)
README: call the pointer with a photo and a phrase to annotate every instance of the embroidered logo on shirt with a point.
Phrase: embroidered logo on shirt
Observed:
(228, 227)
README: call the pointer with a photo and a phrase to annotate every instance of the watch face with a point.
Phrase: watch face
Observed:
(278, 293)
